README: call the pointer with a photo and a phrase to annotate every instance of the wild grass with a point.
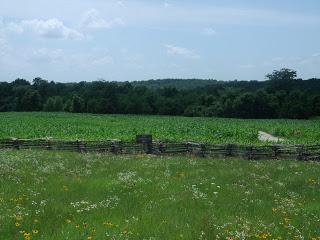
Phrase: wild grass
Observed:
(125, 127)
(58, 195)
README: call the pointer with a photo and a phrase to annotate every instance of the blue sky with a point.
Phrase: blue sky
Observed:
(125, 40)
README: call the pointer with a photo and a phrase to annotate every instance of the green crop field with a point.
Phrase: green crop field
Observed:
(57, 195)
(125, 127)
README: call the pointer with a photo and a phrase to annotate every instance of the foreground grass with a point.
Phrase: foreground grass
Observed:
(124, 127)
(56, 195)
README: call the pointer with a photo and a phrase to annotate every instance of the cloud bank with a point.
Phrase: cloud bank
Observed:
(180, 51)
(51, 28)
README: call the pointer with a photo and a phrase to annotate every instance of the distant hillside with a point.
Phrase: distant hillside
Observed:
(181, 84)
(311, 85)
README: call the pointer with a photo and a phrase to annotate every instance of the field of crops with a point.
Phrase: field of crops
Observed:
(125, 127)
(56, 195)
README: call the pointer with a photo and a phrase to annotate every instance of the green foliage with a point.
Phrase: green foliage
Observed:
(181, 84)
(282, 96)
(284, 79)
(77, 104)
(283, 74)
(53, 104)
(30, 100)
(125, 127)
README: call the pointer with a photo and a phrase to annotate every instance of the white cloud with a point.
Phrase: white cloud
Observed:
(180, 51)
(209, 31)
(52, 28)
(93, 20)
(56, 29)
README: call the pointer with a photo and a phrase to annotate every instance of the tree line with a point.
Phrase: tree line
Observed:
(282, 95)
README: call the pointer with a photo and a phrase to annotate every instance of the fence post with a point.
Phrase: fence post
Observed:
(149, 147)
(48, 144)
(275, 151)
(116, 146)
(83, 146)
(203, 150)
(250, 153)
(16, 144)
(79, 146)
(229, 150)
(146, 140)
(187, 147)
(161, 147)
(301, 153)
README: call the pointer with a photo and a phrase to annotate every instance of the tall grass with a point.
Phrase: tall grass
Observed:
(57, 195)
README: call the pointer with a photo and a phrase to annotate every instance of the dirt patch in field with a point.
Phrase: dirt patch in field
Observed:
(266, 137)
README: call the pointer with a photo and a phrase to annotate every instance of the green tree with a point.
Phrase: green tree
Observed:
(316, 105)
(53, 104)
(58, 105)
(284, 79)
(282, 74)
(30, 101)
(49, 105)
(77, 104)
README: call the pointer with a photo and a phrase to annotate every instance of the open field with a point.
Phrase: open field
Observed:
(125, 127)
(57, 195)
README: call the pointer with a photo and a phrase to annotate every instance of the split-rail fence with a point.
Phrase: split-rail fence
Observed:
(267, 152)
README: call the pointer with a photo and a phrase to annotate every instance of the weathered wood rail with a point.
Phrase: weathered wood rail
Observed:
(268, 152)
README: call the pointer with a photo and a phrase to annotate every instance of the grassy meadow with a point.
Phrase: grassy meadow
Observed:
(125, 127)
(58, 195)
(64, 195)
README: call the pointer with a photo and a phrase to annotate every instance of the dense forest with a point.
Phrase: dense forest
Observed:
(282, 95)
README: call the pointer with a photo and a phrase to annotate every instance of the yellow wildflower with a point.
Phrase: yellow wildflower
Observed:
(108, 223)
(27, 236)
(263, 235)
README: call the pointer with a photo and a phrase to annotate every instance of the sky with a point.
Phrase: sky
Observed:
(128, 40)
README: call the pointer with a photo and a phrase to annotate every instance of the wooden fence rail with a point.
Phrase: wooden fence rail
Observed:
(281, 152)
